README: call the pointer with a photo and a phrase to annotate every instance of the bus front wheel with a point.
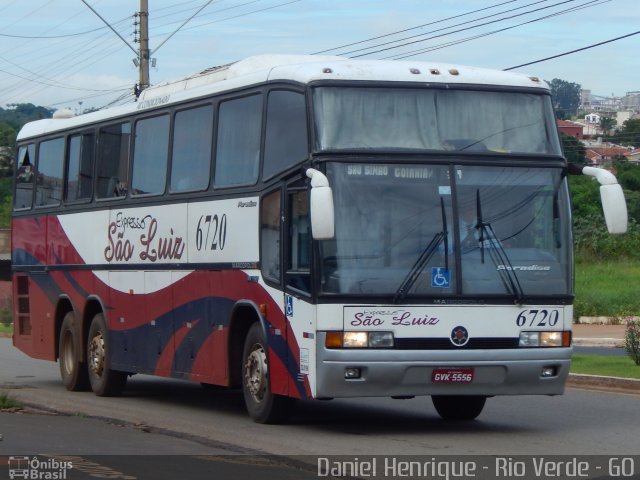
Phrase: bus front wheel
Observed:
(458, 407)
(105, 382)
(262, 405)
(72, 370)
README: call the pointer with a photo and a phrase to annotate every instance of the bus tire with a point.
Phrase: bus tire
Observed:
(73, 371)
(458, 407)
(105, 382)
(262, 405)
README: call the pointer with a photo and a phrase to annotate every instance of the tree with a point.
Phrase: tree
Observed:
(21, 113)
(629, 134)
(573, 149)
(607, 124)
(565, 96)
(7, 148)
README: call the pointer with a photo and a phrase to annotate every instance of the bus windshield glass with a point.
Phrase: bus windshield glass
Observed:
(408, 230)
(428, 119)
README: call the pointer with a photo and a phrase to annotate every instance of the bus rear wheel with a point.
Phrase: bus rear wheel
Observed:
(458, 407)
(105, 382)
(262, 405)
(73, 371)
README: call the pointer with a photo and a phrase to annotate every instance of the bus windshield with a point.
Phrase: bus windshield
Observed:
(427, 119)
(408, 230)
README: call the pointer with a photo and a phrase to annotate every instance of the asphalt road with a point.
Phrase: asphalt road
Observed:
(190, 420)
(607, 351)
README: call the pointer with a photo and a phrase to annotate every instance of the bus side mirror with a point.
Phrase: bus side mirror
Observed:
(614, 208)
(321, 206)
(614, 205)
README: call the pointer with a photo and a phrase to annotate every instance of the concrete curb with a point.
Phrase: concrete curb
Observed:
(598, 342)
(597, 382)
(605, 320)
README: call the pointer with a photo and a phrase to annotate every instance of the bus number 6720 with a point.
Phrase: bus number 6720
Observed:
(538, 318)
(211, 233)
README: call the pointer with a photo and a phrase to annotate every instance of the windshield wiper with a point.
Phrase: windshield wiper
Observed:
(424, 258)
(498, 254)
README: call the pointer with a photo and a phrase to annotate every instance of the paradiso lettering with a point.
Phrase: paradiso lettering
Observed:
(397, 318)
(148, 246)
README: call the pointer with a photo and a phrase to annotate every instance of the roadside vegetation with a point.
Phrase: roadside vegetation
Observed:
(605, 365)
(607, 266)
(8, 403)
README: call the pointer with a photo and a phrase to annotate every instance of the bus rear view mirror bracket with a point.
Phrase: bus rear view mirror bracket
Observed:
(321, 206)
(614, 205)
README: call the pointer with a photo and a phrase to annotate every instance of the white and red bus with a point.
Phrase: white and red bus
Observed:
(305, 227)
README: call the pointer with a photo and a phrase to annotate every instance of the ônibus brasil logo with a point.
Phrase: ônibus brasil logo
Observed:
(32, 468)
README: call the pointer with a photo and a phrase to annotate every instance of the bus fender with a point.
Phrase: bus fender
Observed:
(242, 308)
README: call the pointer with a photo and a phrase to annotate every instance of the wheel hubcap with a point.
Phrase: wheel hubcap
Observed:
(96, 354)
(255, 373)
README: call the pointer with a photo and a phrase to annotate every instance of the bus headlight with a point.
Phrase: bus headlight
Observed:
(545, 339)
(359, 340)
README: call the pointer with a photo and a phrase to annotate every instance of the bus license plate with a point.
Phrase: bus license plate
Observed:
(452, 375)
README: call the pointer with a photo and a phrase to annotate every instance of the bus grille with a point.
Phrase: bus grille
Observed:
(445, 344)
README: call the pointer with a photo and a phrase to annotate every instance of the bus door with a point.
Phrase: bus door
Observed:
(299, 309)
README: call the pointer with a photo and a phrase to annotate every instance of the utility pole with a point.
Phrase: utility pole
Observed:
(143, 53)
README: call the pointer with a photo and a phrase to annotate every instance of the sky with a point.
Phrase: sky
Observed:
(60, 54)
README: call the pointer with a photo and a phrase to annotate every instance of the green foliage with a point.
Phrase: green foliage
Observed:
(607, 288)
(628, 175)
(604, 365)
(632, 340)
(6, 316)
(593, 242)
(585, 197)
(629, 134)
(607, 124)
(573, 149)
(565, 96)
(7, 403)
(7, 135)
(21, 113)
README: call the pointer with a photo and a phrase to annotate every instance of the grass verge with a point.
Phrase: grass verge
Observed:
(6, 329)
(607, 288)
(8, 403)
(605, 365)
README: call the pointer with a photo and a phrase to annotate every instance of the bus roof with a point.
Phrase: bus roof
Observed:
(298, 68)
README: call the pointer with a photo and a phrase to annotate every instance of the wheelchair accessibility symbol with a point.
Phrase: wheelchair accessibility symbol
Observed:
(440, 277)
(289, 306)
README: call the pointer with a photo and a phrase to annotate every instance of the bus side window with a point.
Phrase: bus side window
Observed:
(270, 227)
(113, 161)
(285, 141)
(150, 154)
(238, 144)
(80, 167)
(49, 170)
(299, 259)
(25, 173)
(191, 157)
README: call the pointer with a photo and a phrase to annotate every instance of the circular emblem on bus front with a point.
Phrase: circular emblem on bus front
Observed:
(459, 336)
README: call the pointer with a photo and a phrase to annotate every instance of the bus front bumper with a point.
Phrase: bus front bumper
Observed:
(401, 373)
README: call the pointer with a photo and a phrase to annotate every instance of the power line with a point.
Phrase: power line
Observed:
(244, 14)
(48, 37)
(590, 3)
(183, 24)
(464, 29)
(412, 28)
(456, 25)
(574, 51)
(109, 25)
